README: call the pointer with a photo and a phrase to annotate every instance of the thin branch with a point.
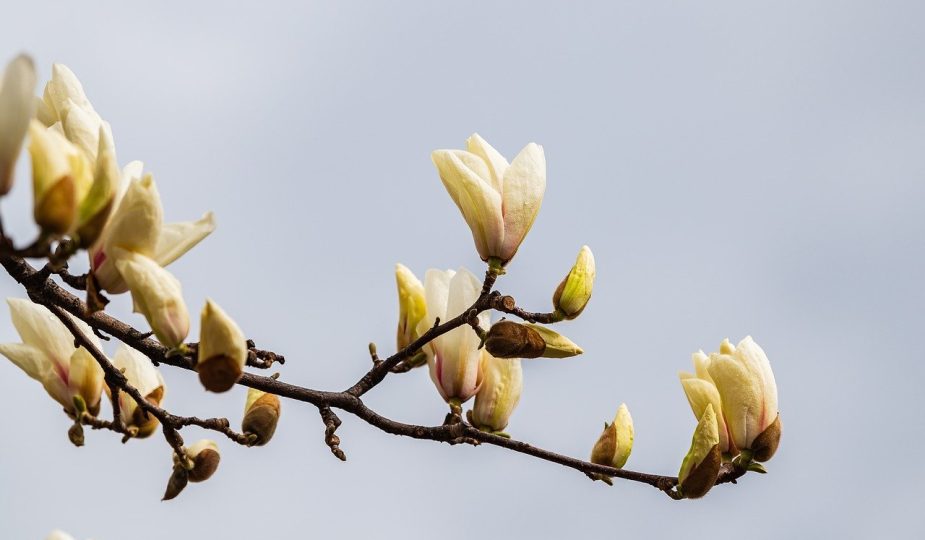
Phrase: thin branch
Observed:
(44, 291)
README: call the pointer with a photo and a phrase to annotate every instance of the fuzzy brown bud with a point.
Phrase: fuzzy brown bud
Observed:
(177, 482)
(765, 445)
(507, 339)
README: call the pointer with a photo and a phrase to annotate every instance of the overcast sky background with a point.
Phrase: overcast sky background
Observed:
(737, 169)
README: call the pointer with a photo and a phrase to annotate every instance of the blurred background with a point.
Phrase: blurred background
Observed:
(737, 168)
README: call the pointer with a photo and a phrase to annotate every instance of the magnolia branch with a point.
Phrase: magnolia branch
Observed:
(43, 290)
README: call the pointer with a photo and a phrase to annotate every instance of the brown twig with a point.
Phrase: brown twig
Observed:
(44, 291)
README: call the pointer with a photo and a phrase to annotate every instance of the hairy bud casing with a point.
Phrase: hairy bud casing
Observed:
(261, 414)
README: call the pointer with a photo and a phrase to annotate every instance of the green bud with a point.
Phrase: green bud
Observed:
(702, 463)
(574, 291)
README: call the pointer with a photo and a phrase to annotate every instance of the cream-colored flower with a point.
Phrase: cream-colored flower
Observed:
(743, 377)
(143, 376)
(17, 107)
(499, 201)
(502, 385)
(137, 225)
(454, 358)
(47, 354)
(64, 106)
(157, 295)
(574, 291)
(222, 349)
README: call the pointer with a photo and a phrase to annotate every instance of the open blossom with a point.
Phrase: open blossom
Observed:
(17, 107)
(137, 225)
(454, 357)
(141, 374)
(498, 200)
(47, 354)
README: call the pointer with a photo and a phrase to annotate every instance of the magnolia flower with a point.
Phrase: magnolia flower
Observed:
(222, 349)
(701, 392)
(16, 109)
(454, 357)
(702, 463)
(47, 354)
(261, 414)
(498, 200)
(574, 291)
(141, 374)
(137, 226)
(615, 444)
(411, 306)
(748, 392)
(157, 295)
(502, 384)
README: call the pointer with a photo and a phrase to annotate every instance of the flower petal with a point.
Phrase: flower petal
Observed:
(17, 107)
(492, 158)
(524, 187)
(178, 238)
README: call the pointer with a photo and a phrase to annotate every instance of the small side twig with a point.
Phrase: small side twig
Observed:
(331, 423)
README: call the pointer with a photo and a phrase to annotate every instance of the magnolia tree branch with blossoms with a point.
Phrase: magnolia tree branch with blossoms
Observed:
(83, 202)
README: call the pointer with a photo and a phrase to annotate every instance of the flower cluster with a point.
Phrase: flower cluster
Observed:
(82, 200)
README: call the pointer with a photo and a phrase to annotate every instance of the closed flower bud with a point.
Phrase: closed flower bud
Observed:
(702, 464)
(203, 459)
(17, 107)
(412, 306)
(222, 349)
(141, 374)
(499, 201)
(261, 414)
(502, 384)
(157, 295)
(508, 339)
(701, 392)
(61, 176)
(748, 392)
(615, 444)
(574, 291)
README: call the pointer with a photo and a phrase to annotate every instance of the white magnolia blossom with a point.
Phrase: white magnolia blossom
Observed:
(502, 385)
(454, 358)
(137, 225)
(498, 200)
(47, 354)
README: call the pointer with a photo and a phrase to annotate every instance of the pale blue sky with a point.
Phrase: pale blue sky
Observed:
(737, 168)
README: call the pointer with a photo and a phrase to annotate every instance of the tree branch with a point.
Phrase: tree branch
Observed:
(45, 291)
